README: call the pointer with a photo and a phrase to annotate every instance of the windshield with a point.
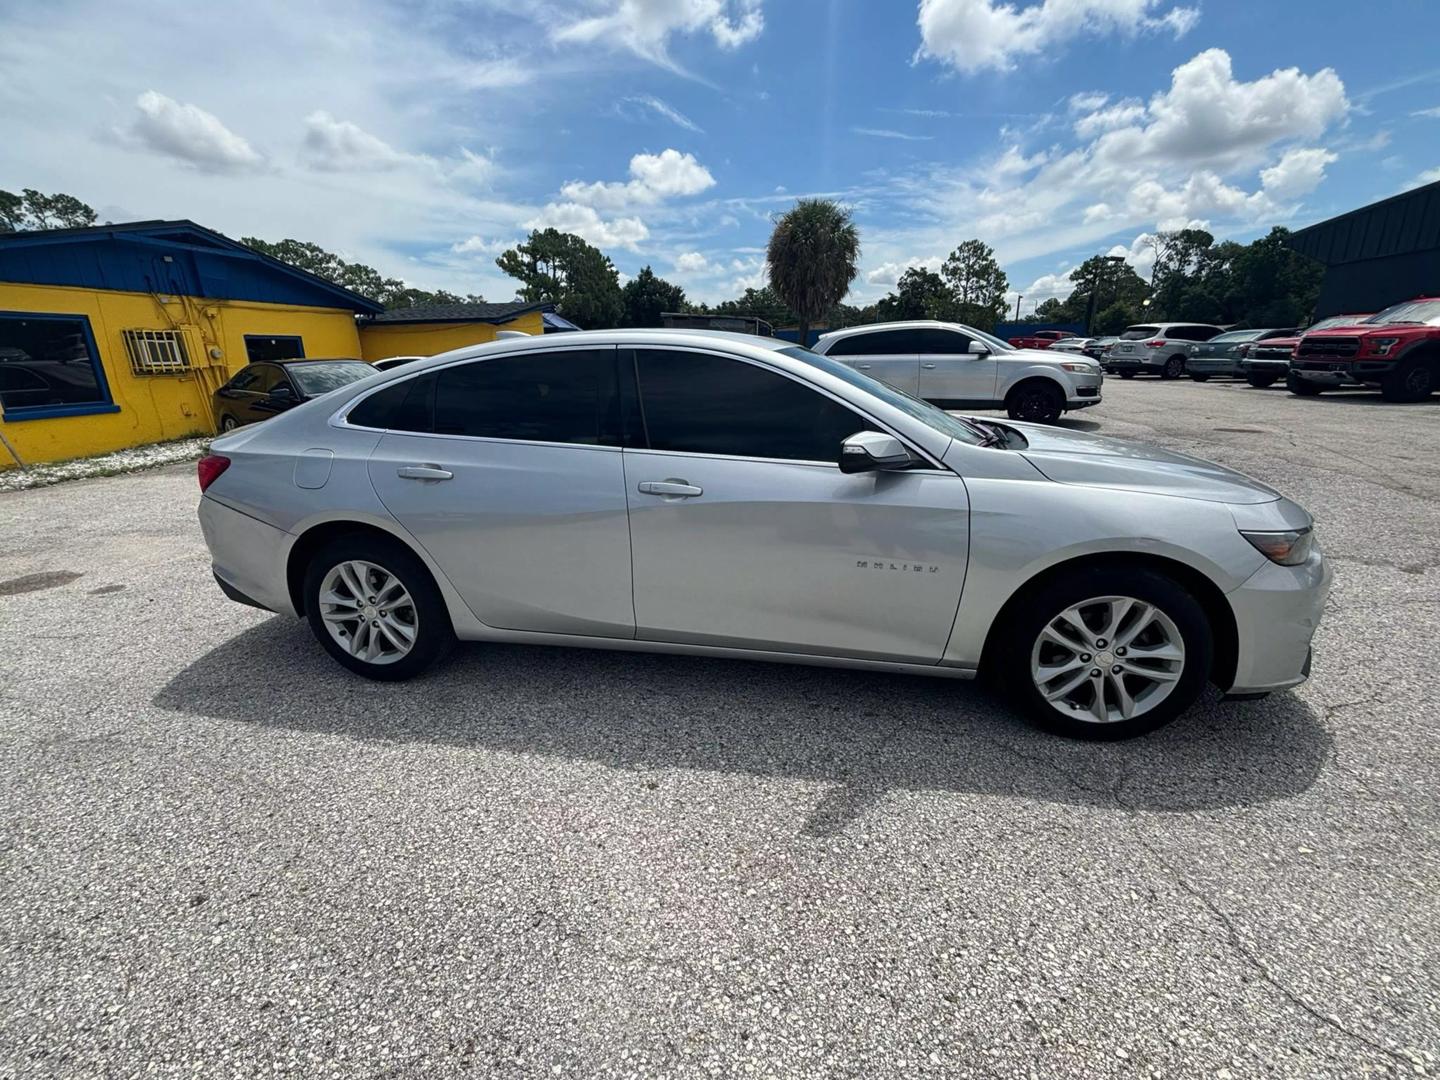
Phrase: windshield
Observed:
(923, 411)
(996, 345)
(322, 377)
(1139, 333)
(1424, 312)
(1237, 335)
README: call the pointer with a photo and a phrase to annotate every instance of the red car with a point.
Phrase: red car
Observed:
(1040, 339)
(1397, 350)
(1264, 363)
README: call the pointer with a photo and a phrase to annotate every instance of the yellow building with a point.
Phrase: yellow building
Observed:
(118, 335)
(436, 328)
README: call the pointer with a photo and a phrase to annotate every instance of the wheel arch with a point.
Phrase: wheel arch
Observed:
(322, 533)
(1030, 378)
(1212, 600)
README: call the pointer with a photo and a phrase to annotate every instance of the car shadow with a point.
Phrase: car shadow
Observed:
(1372, 398)
(864, 734)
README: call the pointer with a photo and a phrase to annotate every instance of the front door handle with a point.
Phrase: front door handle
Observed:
(928, 367)
(863, 367)
(423, 472)
(672, 488)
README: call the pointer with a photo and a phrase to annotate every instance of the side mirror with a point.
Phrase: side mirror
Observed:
(871, 451)
(978, 348)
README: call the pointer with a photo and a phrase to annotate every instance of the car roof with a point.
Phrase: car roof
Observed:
(903, 324)
(314, 360)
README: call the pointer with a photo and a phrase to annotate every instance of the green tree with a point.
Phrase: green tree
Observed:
(812, 258)
(33, 209)
(646, 296)
(763, 303)
(919, 294)
(560, 268)
(977, 284)
(355, 276)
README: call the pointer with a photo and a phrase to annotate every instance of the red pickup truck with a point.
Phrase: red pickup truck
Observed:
(1040, 339)
(1397, 350)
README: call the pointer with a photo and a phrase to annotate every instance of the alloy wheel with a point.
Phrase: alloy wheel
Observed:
(1418, 382)
(368, 611)
(1107, 659)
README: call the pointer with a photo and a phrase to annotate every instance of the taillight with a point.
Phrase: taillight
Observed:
(1155, 344)
(209, 467)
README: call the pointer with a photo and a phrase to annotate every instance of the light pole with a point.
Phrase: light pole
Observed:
(1018, 298)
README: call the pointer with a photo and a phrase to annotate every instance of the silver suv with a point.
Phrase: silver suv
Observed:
(958, 367)
(1156, 349)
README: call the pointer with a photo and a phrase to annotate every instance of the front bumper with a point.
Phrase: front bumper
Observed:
(1262, 366)
(248, 556)
(1085, 390)
(1276, 614)
(1342, 373)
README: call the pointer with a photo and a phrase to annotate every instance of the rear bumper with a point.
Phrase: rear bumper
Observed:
(1211, 365)
(248, 556)
(1135, 362)
(1276, 614)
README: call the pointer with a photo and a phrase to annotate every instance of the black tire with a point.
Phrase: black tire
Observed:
(1174, 367)
(1302, 387)
(1127, 374)
(1037, 608)
(434, 635)
(228, 423)
(1261, 381)
(1200, 378)
(1413, 380)
(1039, 401)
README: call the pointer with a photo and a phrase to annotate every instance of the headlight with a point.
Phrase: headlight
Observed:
(1289, 548)
(1381, 346)
(1081, 369)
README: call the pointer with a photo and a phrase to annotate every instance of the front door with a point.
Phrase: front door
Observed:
(508, 472)
(951, 375)
(746, 534)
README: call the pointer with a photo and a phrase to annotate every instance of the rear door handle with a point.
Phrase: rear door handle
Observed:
(674, 489)
(928, 367)
(863, 367)
(423, 472)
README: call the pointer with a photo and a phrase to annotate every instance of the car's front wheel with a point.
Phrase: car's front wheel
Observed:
(1301, 387)
(375, 608)
(1261, 381)
(228, 423)
(1104, 653)
(1038, 400)
(1411, 381)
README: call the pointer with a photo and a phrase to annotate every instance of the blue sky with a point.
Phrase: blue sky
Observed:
(425, 138)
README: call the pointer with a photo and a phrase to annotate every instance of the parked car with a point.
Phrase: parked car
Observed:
(735, 496)
(1397, 350)
(1265, 363)
(1222, 354)
(394, 361)
(958, 367)
(261, 390)
(1070, 344)
(1039, 339)
(1097, 347)
(1156, 349)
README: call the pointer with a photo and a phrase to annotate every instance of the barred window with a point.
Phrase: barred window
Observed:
(157, 352)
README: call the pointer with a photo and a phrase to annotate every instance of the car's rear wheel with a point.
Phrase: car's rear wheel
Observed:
(1127, 374)
(228, 423)
(1261, 381)
(1105, 653)
(1174, 368)
(1038, 400)
(1302, 387)
(1411, 381)
(375, 608)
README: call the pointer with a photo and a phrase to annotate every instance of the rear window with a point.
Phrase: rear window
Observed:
(1139, 333)
(1237, 335)
(402, 406)
(320, 378)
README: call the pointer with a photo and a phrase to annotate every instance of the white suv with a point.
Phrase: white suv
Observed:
(1155, 348)
(958, 367)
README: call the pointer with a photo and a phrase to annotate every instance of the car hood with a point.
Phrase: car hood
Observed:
(1043, 356)
(1075, 457)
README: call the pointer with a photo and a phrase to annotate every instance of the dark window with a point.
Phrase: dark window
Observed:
(1139, 333)
(402, 406)
(1192, 333)
(565, 397)
(267, 377)
(941, 342)
(878, 343)
(263, 347)
(705, 404)
(322, 376)
(50, 363)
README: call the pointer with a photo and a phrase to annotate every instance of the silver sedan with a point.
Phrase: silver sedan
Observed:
(722, 495)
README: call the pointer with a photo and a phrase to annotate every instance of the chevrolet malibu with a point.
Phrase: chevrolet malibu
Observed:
(722, 495)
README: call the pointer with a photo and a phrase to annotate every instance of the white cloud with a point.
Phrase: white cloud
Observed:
(979, 35)
(889, 273)
(190, 134)
(1429, 176)
(666, 110)
(332, 145)
(1433, 112)
(888, 133)
(692, 262)
(586, 222)
(1087, 101)
(1121, 114)
(645, 27)
(1297, 173)
(654, 178)
(478, 245)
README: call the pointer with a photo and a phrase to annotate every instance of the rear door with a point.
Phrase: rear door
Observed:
(950, 374)
(892, 356)
(508, 471)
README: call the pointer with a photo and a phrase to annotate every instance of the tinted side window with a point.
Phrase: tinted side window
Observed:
(405, 406)
(879, 343)
(705, 404)
(245, 379)
(565, 397)
(942, 342)
(267, 377)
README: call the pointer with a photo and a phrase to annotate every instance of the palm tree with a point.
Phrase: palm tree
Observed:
(812, 255)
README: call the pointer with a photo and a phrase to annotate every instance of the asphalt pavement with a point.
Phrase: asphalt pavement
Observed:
(223, 855)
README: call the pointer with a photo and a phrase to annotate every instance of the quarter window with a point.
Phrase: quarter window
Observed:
(937, 342)
(878, 343)
(49, 366)
(705, 404)
(562, 397)
(402, 406)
